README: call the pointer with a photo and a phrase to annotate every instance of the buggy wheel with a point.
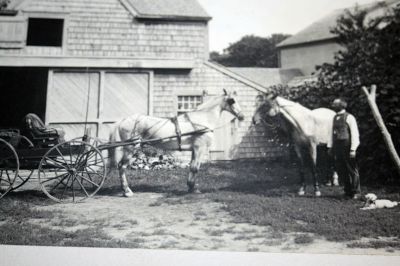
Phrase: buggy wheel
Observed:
(23, 174)
(21, 178)
(8, 162)
(72, 171)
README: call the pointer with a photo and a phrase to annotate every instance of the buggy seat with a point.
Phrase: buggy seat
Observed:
(39, 133)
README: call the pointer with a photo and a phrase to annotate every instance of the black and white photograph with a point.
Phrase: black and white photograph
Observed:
(234, 127)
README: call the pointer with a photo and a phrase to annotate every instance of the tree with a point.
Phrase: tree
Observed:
(251, 51)
(3, 4)
(370, 56)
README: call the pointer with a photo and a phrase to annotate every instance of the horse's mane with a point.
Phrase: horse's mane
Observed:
(285, 102)
(210, 103)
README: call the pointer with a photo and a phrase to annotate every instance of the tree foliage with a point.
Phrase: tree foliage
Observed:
(251, 51)
(370, 55)
(3, 4)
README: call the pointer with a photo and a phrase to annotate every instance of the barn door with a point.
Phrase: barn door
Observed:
(69, 95)
(124, 94)
(100, 97)
(225, 136)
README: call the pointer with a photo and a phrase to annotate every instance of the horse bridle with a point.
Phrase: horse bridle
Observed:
(230, 101)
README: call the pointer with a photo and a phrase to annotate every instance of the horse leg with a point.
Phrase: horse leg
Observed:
(123, 164)
(313, 162)
(302, 189)
(195, 163)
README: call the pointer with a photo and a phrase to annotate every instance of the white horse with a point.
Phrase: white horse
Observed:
(306, 128)
(191, 131)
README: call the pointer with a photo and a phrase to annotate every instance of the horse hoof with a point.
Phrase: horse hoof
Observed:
(301, 193)
(194, 191)
(317, 193)
(128, 194)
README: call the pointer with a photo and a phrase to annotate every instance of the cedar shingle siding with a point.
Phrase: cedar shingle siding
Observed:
(107, 28)
(109, 31)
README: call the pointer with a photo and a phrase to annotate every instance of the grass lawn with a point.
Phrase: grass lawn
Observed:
(260, 193)
(264, 193)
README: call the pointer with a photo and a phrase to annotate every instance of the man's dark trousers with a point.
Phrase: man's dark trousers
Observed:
(346, 167)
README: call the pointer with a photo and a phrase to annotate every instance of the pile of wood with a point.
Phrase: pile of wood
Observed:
(141, 161)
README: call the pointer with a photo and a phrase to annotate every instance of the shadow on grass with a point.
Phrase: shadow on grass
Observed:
(117, 191)
(260, 193)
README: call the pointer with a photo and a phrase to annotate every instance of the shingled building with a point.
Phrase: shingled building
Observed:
(97, 61)
(316, 44)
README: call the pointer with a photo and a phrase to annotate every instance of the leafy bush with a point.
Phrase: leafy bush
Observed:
(3, 4)
(371, 55)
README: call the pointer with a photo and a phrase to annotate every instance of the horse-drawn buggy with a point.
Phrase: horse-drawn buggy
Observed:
(65, 170)
(75, 170)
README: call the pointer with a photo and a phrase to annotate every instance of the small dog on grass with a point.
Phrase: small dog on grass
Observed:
(372, 202)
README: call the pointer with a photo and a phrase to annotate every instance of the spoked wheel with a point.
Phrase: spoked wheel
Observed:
(9, 167)
(23, 174)
(72, 171)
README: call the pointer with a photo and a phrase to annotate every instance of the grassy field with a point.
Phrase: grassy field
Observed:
(259, 193)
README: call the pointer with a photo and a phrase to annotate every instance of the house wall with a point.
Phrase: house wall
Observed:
(307, 56)
(105, 28)
(249, 141)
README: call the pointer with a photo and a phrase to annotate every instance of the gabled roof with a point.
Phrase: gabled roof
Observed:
(14, 4)
(155, 9)
(267, 77)
(320, 30)
(168, 9)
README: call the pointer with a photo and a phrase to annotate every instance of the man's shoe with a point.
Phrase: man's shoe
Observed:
(301, 191)
(346, 196)
(356, 197)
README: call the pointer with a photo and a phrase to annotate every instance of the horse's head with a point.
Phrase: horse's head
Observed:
(266, 105)
(230, 105)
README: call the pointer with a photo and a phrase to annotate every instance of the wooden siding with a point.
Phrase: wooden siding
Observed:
(105, 28)
(247, 141)
(307, 57)
(125, 94)
(12, 32)
(110, 95)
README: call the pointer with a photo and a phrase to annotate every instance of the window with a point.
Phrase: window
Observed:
(45, 32)
(188, 103)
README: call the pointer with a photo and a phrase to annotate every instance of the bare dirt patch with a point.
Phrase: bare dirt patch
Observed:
(158, 221)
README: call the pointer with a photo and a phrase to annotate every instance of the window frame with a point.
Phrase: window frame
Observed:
(188, 93)
(49, 15)
(197, 100)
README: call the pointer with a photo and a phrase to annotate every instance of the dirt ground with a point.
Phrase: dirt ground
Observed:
(158, 221)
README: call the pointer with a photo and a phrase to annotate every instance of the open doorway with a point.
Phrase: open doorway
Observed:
(23, 91)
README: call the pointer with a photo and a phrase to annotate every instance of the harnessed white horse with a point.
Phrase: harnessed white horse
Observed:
(306, 128)
(191, 131)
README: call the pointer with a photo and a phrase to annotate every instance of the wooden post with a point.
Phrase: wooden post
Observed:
(371, 96)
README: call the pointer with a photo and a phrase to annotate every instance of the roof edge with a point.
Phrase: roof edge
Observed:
(174, 18)
(129, 7)
(236, 76)
(369, 7)
(16, 5)
(317, 41)
(141, 16)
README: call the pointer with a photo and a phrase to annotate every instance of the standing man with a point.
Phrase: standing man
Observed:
(344, 143)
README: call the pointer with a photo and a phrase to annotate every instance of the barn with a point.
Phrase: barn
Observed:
(88, 63)
(316, 44)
